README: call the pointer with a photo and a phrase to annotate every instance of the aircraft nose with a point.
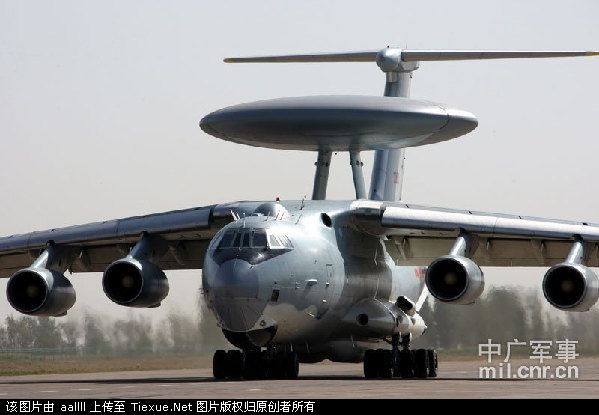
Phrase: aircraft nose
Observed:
(236, 295)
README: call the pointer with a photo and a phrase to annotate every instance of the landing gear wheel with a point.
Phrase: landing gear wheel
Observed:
(395, 363)
(370, 364)
(291, 365)
(275, 366)
(253, 366)
(282, 366)
(235, 360)
(406, 364)
(433, 363)
(384, 364)
(421, 363)
(220, 365)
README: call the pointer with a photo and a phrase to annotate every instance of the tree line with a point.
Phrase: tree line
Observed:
(92, 334)
(501, 315)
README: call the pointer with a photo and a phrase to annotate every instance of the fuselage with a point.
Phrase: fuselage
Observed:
(291, 273)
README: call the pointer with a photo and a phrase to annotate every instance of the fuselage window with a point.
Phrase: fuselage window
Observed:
(259, 239)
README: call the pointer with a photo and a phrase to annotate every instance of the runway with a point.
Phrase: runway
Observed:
(456, 379)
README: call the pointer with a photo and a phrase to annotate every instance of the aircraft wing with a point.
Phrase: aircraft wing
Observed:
(187, 233)
(417, 235)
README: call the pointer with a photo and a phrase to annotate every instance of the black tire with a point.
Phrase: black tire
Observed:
(235, 364)
(277, 366)
(370, 366)
(395, 363)
(433, 363)
(384, 364)
(263, 365)
(220, 365)
(253, 366)
(291, 365)
(421, 366)
(406, 364)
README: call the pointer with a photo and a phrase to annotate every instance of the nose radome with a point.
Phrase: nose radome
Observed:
(236, 299)
(236, 279)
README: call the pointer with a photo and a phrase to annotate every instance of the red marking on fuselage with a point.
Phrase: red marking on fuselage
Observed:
(419, 272)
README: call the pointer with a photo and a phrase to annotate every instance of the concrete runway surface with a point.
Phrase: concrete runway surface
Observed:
(457, 379)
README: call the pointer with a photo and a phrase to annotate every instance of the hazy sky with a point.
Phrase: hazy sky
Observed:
(100, 103)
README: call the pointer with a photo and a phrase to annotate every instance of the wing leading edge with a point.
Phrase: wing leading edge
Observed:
(417, 235)
(187, 232)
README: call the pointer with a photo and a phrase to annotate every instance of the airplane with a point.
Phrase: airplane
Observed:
(302, 281)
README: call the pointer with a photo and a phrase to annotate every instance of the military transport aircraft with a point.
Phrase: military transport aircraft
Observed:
(307, 280)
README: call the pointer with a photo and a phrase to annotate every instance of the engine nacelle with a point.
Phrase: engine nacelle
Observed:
(135, 283)
(40, 292)
(455, 279)
(571, 287)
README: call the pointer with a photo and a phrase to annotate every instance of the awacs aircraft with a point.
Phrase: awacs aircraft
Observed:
(303, 281)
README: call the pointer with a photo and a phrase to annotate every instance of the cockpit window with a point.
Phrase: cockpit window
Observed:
(245, 240)
(285, 241)
(227, 239)
(259, 239)
(273, 241)
(236, 240)
(256, 238)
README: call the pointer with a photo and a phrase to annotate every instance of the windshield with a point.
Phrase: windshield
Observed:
(253, 238)
(259, 238)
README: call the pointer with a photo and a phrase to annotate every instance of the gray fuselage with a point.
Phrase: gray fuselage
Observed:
(298, 288)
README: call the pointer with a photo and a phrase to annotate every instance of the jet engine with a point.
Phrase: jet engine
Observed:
(455, 279)
(571, 287)
(135, 283)
(40, 292)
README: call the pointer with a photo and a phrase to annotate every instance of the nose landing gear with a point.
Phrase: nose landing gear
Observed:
(255, 364)
(404, 363)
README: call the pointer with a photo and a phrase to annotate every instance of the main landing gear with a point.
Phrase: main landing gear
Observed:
(403, 363)
(255, 364)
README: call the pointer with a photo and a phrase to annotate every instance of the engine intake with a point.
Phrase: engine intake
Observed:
(455, 279)
(571, 287)
(135, 283)
(40, 292)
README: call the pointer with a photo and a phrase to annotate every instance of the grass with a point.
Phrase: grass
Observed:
(43, 364)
